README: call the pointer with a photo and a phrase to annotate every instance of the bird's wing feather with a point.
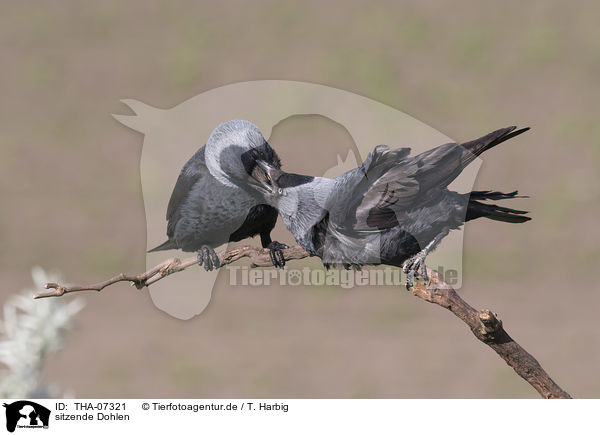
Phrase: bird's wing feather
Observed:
(192, 173)
(391, 183)
(354, 188)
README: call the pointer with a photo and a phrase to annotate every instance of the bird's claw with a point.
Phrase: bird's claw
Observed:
(276, 253)
(415, 267)
(208, 258)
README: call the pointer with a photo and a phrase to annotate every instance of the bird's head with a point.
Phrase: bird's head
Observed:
(262, 175)
(233, 149)
(282, 190)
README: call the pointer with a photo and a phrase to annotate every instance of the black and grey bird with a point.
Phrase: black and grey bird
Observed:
(394, 209)
(206, 210)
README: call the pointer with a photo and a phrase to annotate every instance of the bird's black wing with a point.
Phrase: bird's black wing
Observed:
(191, 173)
(357, 190)
(393, 184)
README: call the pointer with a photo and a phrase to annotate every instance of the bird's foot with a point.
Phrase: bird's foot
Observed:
(208, 258)
(411, 268)
(276, 253)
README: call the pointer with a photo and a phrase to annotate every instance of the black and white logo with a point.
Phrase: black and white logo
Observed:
(26, 414)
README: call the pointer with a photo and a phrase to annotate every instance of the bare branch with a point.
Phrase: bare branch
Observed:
(488, 328)
(258, 257)
(484, 324)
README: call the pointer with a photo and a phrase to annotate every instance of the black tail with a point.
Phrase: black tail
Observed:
(482, 195)
(488, 141)
(169, 244)
(477, 209)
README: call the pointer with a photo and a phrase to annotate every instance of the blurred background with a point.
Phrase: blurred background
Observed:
(72, 198)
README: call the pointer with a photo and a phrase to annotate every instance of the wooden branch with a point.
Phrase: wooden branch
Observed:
(484, 324)
(488, 329)
(258, 257)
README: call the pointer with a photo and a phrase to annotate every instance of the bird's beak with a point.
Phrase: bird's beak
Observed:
(268, 182)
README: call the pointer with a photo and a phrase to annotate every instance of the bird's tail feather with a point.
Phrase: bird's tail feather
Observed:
(482, 195)
(476, 209)
(169, 244)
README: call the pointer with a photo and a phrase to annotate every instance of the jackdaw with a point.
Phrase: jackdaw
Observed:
(394, 209)
(206, 210)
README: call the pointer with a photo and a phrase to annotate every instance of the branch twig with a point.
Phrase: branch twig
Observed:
(484, 324)
(258, 257)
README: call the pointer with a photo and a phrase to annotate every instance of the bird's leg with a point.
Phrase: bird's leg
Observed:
(275, 249)
(413, 264)
(208, 258)
(276, 253)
